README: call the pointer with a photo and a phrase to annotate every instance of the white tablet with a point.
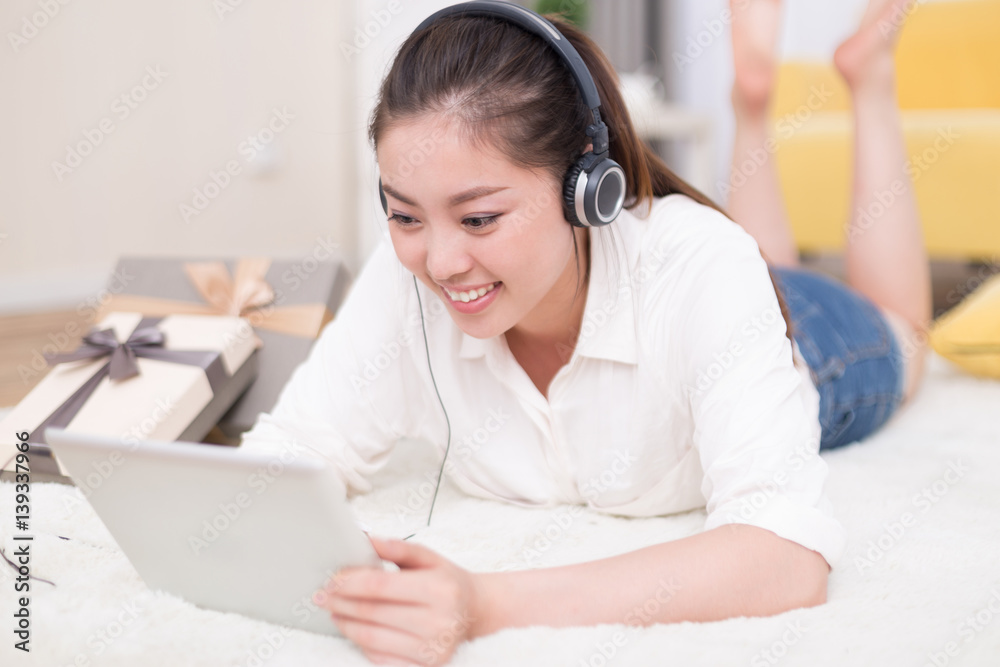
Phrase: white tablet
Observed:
(226, 529)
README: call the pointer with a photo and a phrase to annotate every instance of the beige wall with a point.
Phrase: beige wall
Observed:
(226, 64)
(223, 75)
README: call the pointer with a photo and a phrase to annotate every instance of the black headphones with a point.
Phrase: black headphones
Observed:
(594, 187)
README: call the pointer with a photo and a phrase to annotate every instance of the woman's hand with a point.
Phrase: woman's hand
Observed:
(417, 615)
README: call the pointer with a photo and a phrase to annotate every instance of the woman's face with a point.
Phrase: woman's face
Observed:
(487, 236)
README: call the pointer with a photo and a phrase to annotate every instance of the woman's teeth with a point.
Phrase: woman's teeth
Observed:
(471, 295)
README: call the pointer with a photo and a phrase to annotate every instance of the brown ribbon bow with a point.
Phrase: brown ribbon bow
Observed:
(246, 294)
(232, 295)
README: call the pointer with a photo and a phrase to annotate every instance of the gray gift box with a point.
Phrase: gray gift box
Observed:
(307, 294)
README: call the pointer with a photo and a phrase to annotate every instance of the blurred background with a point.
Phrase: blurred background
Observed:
(225, 128)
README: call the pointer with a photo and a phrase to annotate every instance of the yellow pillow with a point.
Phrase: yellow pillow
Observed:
(969, 333)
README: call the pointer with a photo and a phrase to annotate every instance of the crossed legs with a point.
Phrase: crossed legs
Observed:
(885, 259)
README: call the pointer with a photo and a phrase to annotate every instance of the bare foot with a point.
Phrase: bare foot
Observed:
(867, 55)
(756, 24)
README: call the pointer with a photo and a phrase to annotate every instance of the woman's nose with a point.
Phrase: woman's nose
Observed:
(447, 256)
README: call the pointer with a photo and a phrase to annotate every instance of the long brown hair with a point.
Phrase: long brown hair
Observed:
(512, 93)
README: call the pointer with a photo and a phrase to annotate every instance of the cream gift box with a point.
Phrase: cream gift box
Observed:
(182, 372)
(287, 302)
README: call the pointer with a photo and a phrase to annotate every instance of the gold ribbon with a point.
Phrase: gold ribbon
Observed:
(245, 294)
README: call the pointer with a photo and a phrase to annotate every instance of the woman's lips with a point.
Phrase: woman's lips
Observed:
(464, 301)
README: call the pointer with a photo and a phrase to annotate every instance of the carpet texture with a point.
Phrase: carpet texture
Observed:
(919, 583)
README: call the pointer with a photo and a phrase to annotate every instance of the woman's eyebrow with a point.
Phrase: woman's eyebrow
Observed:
(468, 195)
(475, 193)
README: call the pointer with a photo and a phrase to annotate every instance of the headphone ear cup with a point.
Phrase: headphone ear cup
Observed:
(605, 194)
(381, 195)
(569, 194)
(594, 199)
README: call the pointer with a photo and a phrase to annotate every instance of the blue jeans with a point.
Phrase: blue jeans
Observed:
(853, 355)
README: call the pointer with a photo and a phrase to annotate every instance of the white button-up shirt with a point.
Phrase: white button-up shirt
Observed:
(681, 392)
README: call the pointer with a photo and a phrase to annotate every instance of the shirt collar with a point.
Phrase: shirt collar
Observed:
(608, 327)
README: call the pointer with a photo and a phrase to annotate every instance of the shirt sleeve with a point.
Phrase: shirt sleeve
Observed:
(757, 443)
(355, 395)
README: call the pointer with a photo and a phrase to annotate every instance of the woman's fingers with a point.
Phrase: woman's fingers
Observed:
(408, 618)
(377, 658)
(393, 645)
(378, 639)
(419, 613)
(406, 555)
(407, 586)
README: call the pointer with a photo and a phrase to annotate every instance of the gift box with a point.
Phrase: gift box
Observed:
(135, 378)
(287, 302)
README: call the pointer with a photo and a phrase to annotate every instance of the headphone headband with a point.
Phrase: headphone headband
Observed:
(538, 25)
(594, 186)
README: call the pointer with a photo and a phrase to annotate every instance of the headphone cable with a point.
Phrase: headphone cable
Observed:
(447, 421)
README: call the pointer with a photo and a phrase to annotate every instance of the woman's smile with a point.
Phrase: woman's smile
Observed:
(472, 300)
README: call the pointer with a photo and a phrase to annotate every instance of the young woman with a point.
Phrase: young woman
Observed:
(642, 368)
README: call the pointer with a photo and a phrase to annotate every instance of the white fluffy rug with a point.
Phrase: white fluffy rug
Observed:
(918, 594)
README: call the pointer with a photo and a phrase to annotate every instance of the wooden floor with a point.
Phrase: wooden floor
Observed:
(23, 341)
(25, 338)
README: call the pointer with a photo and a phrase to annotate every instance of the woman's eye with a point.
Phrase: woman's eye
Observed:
(471, 223)
(401, 220)
(480, 223)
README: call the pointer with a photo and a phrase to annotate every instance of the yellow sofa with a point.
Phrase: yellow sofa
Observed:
(948, 62)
